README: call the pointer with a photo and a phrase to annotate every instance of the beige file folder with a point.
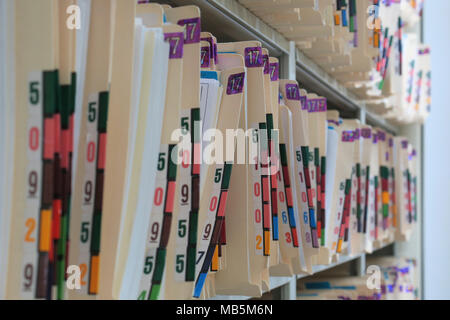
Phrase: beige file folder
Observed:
(116, 157)
(180, 276)
(35, 34)
(258, 237)
(215, 197)
(292, 98)
(342, 181)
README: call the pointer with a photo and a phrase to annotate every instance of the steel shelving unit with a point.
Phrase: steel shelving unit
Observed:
(228, 20)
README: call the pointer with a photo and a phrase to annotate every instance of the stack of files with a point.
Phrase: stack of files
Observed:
(413, 88)
(364, 44)
(372, 204)
(322, 29)
(400, 82)
(151, 162)
(399, 277)
(39, 106)
(260, 198)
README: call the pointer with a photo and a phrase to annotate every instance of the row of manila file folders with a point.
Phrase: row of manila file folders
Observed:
(114, 181)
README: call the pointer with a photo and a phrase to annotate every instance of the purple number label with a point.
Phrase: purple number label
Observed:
(375, 139)
(266, 64)
(366, 133)
(313, 105)
(253, 57)
(211, 46)
(292, 92)
(304, 103)
(405, 144)
(357, 134)
(391, 143)
(235, 83)
(205, 57)
(274, 71)
(192, 30)
(322, 105)
(348, 136)
(176, 44)
(381, 136)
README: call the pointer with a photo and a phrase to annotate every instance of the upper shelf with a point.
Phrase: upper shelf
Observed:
(230, 21)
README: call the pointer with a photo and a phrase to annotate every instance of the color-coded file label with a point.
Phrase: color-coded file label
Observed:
(189, 197)
(92, 193)
(310, 181)
(285, 199)
(339, 215)
(34, 185)
(261, 192)
(272, 169)
(159, 225)
(306, 213)
(207, 254)
(89, 186)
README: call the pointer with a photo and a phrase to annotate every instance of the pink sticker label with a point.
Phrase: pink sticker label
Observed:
(49, 138)
(57, 117)
(222, 204)
(102, 151)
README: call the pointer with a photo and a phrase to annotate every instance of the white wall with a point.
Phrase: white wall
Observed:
(437, 155)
